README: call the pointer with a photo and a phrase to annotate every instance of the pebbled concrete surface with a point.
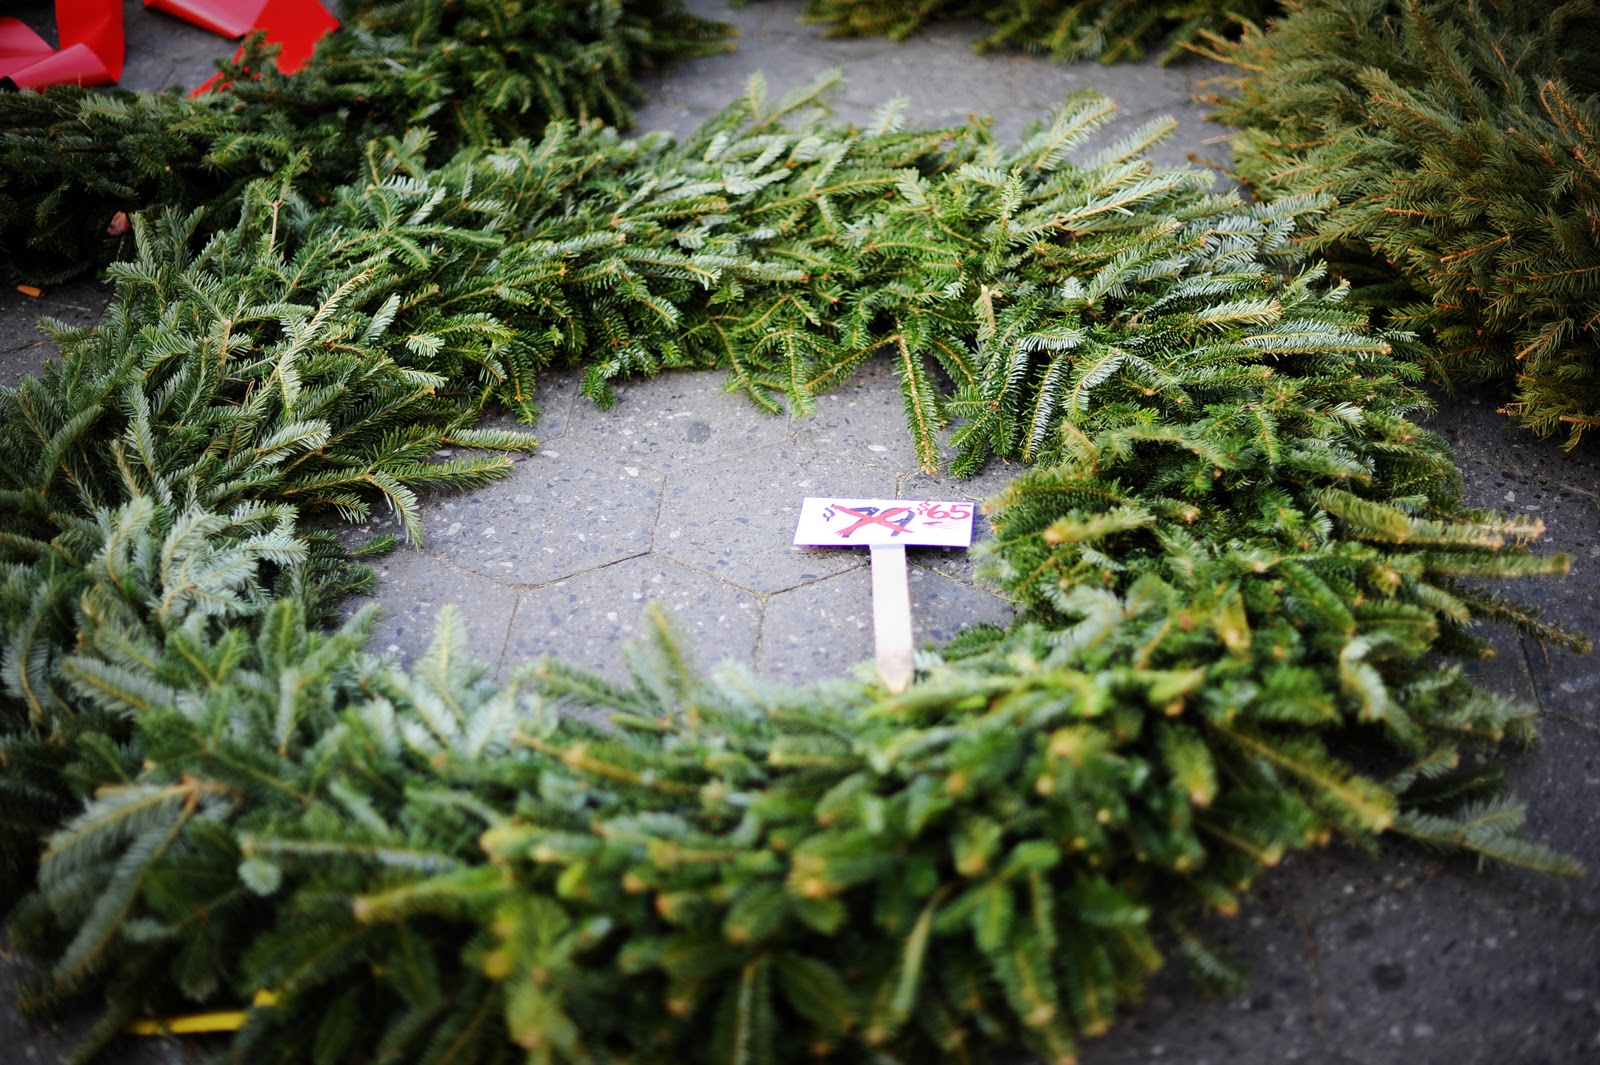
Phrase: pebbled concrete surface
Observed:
(686, 495)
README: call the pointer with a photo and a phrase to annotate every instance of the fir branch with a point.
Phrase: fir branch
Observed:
(1459, 141)
(1110, 30)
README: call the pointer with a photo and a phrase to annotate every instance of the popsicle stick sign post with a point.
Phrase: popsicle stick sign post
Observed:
(887, 527)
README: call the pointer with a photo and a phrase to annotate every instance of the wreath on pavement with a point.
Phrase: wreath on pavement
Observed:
(1246, 573)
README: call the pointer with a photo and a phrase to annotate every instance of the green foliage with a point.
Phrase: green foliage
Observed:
(1244, 572)
(1111, 30)
(439, 868)
(1460, 141)
(451, 72)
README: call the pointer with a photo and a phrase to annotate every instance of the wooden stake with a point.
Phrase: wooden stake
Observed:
(891, 615)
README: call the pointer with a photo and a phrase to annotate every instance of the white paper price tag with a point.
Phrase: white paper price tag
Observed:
(842, 521)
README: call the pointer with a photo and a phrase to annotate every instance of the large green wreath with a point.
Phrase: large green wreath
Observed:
(1458, 142)
(1245, 574)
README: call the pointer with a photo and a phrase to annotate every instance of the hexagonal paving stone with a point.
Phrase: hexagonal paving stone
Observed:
(24, 347)
(1142, 91)
(1273, 1018)
(1452, 973)
(584, 619)
(1559, 780)
(771, 43)
(414, 586)
(824, 629)
(675, 419)
(1517, 474)
(22, 361)
(821, 630)
(863, 419)
(563, 510)
(735, 517)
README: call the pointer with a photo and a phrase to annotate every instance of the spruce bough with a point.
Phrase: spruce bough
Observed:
(1110, 30)
(1460, 142)
(1238, 557)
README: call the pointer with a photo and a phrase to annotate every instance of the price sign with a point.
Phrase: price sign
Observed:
(887, 527)
(842, 521)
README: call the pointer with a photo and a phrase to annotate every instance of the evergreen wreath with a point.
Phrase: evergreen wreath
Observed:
(451, 72)
(1245, 575)
(1110, 30)
(1461, 144)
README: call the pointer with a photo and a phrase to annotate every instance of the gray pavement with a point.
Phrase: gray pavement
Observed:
(685, 495)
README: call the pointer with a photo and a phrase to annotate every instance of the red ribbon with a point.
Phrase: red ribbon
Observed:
(92, 44)
(230, 18)
(295, 26)
(91, 51)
